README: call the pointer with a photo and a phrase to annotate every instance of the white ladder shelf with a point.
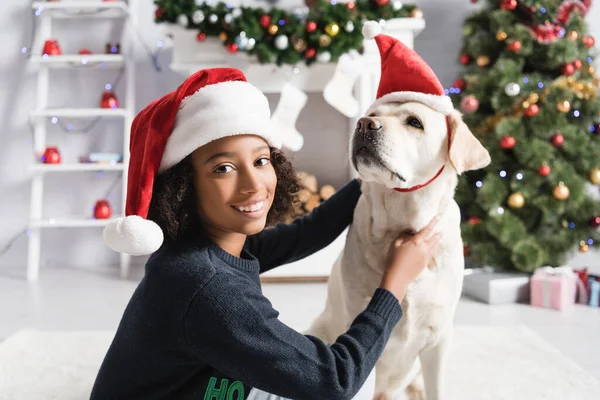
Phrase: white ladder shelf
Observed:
(76, 9)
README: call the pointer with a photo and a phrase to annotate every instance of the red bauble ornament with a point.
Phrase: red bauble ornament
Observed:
(382, 3)
(509, 5)
(514, 46)
(466, 250)
(52, 48)
(232, 48)
(596, 128)
(459, 83)
(568, 70)
(265, 21)
(102, 210)
(508, 142)
(532, 110)
(51, 156)
(544, 170)
(109, 100)
(558, 139)
(469, 104)
(595, 221)
(589, 41)
(577, 64)
(311, 26)
(85, 52)
(474, 220)
(159, 13)
(465, 59)
(201, 37)
(310, 53)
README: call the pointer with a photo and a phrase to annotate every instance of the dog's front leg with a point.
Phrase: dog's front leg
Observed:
(433, 362)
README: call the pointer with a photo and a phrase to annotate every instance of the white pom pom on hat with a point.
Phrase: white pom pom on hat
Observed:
(405, 76)
(210, 104)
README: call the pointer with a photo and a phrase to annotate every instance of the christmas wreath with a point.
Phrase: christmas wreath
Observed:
(328, 30)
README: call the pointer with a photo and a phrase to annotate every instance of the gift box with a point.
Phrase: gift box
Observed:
(496, 286)
(553, 288)
(583, 287)
(594, 285)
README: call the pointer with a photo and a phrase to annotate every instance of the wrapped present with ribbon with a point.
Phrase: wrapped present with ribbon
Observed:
(594, 284)
(583, 287)
(553, 287)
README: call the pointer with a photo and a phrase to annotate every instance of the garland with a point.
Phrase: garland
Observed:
(327, 31)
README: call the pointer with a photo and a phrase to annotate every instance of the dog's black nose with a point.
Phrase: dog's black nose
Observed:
(368, 124)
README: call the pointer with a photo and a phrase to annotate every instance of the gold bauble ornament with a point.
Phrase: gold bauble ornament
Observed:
(561, 192)
(416, 13)
(501, 36)
(572, 35)
(324, 40)
(583, 246)
(516, 200)
(332, 29)
(534, 97)
(564, 223)
(273, 29)
(223, 36)
(595, 176)
(563, 106)
(300, 45)
(591, 70)
(482, 61)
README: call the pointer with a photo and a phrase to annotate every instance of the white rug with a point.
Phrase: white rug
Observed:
(508, 363)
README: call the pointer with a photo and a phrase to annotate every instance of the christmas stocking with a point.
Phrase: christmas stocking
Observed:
(290, 104)
(338, 92)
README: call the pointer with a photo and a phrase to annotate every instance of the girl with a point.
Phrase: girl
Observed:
(206, 176)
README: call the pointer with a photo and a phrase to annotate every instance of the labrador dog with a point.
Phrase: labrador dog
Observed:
(404, 145)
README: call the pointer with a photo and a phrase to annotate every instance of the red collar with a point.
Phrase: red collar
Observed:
(417, 187)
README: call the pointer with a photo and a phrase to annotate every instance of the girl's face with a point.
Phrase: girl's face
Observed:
(235, 184)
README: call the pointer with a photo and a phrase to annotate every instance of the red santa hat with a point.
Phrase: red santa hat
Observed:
(210, 104)
(405, 76)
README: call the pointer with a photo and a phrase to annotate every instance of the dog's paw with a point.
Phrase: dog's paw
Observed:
(382, 396)
(415, 391)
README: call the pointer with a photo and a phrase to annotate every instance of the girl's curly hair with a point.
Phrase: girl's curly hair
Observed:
(173, 205)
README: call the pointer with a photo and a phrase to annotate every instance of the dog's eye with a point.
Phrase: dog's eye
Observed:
(414, 122)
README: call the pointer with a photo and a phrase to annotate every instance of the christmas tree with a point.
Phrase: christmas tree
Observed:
(529, 93)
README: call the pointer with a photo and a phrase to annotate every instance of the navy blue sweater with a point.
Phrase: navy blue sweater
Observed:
(198, 326)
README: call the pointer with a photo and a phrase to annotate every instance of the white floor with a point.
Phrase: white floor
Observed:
(75, 299)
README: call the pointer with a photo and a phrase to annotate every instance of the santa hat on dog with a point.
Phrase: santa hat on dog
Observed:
(405, 76)
(209, 105)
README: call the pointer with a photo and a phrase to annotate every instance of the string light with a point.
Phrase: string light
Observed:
(589, 59)
(572, 225)
(479, 184)
(543, 10)
(54, 120)
(540, 85)
(526, 80)
(562, 32)
(590, 241)
(500, 210)
(519, 176)
(576, 113)
(592, 129)
(502, 174)
(108, 86)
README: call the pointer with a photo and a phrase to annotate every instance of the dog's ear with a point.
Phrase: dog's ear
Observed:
(466, 152)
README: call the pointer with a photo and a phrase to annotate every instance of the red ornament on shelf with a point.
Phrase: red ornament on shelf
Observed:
(102, 210)
(109, 100)
(514, 46)
(595, 221)
(311, 26)
(577, 64)
(85, 52)
(589, 41)
(558, 140)
(232, 48)
(51, 156)
(544, 170)
(459, 83)
(532, 110)
(265, 21)
(382, 3)
(568, 70)
(469, 104)
(201, 37)
(509, 5)
(508, 142)
(465, 59)
(52, 48)
(310, 53)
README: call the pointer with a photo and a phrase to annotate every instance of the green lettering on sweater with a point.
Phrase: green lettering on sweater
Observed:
(224, 390)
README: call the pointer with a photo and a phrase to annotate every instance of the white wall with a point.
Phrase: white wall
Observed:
(325, 129)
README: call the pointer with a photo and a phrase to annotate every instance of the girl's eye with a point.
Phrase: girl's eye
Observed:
(414, 122)
(263, 161)
(223, 169)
